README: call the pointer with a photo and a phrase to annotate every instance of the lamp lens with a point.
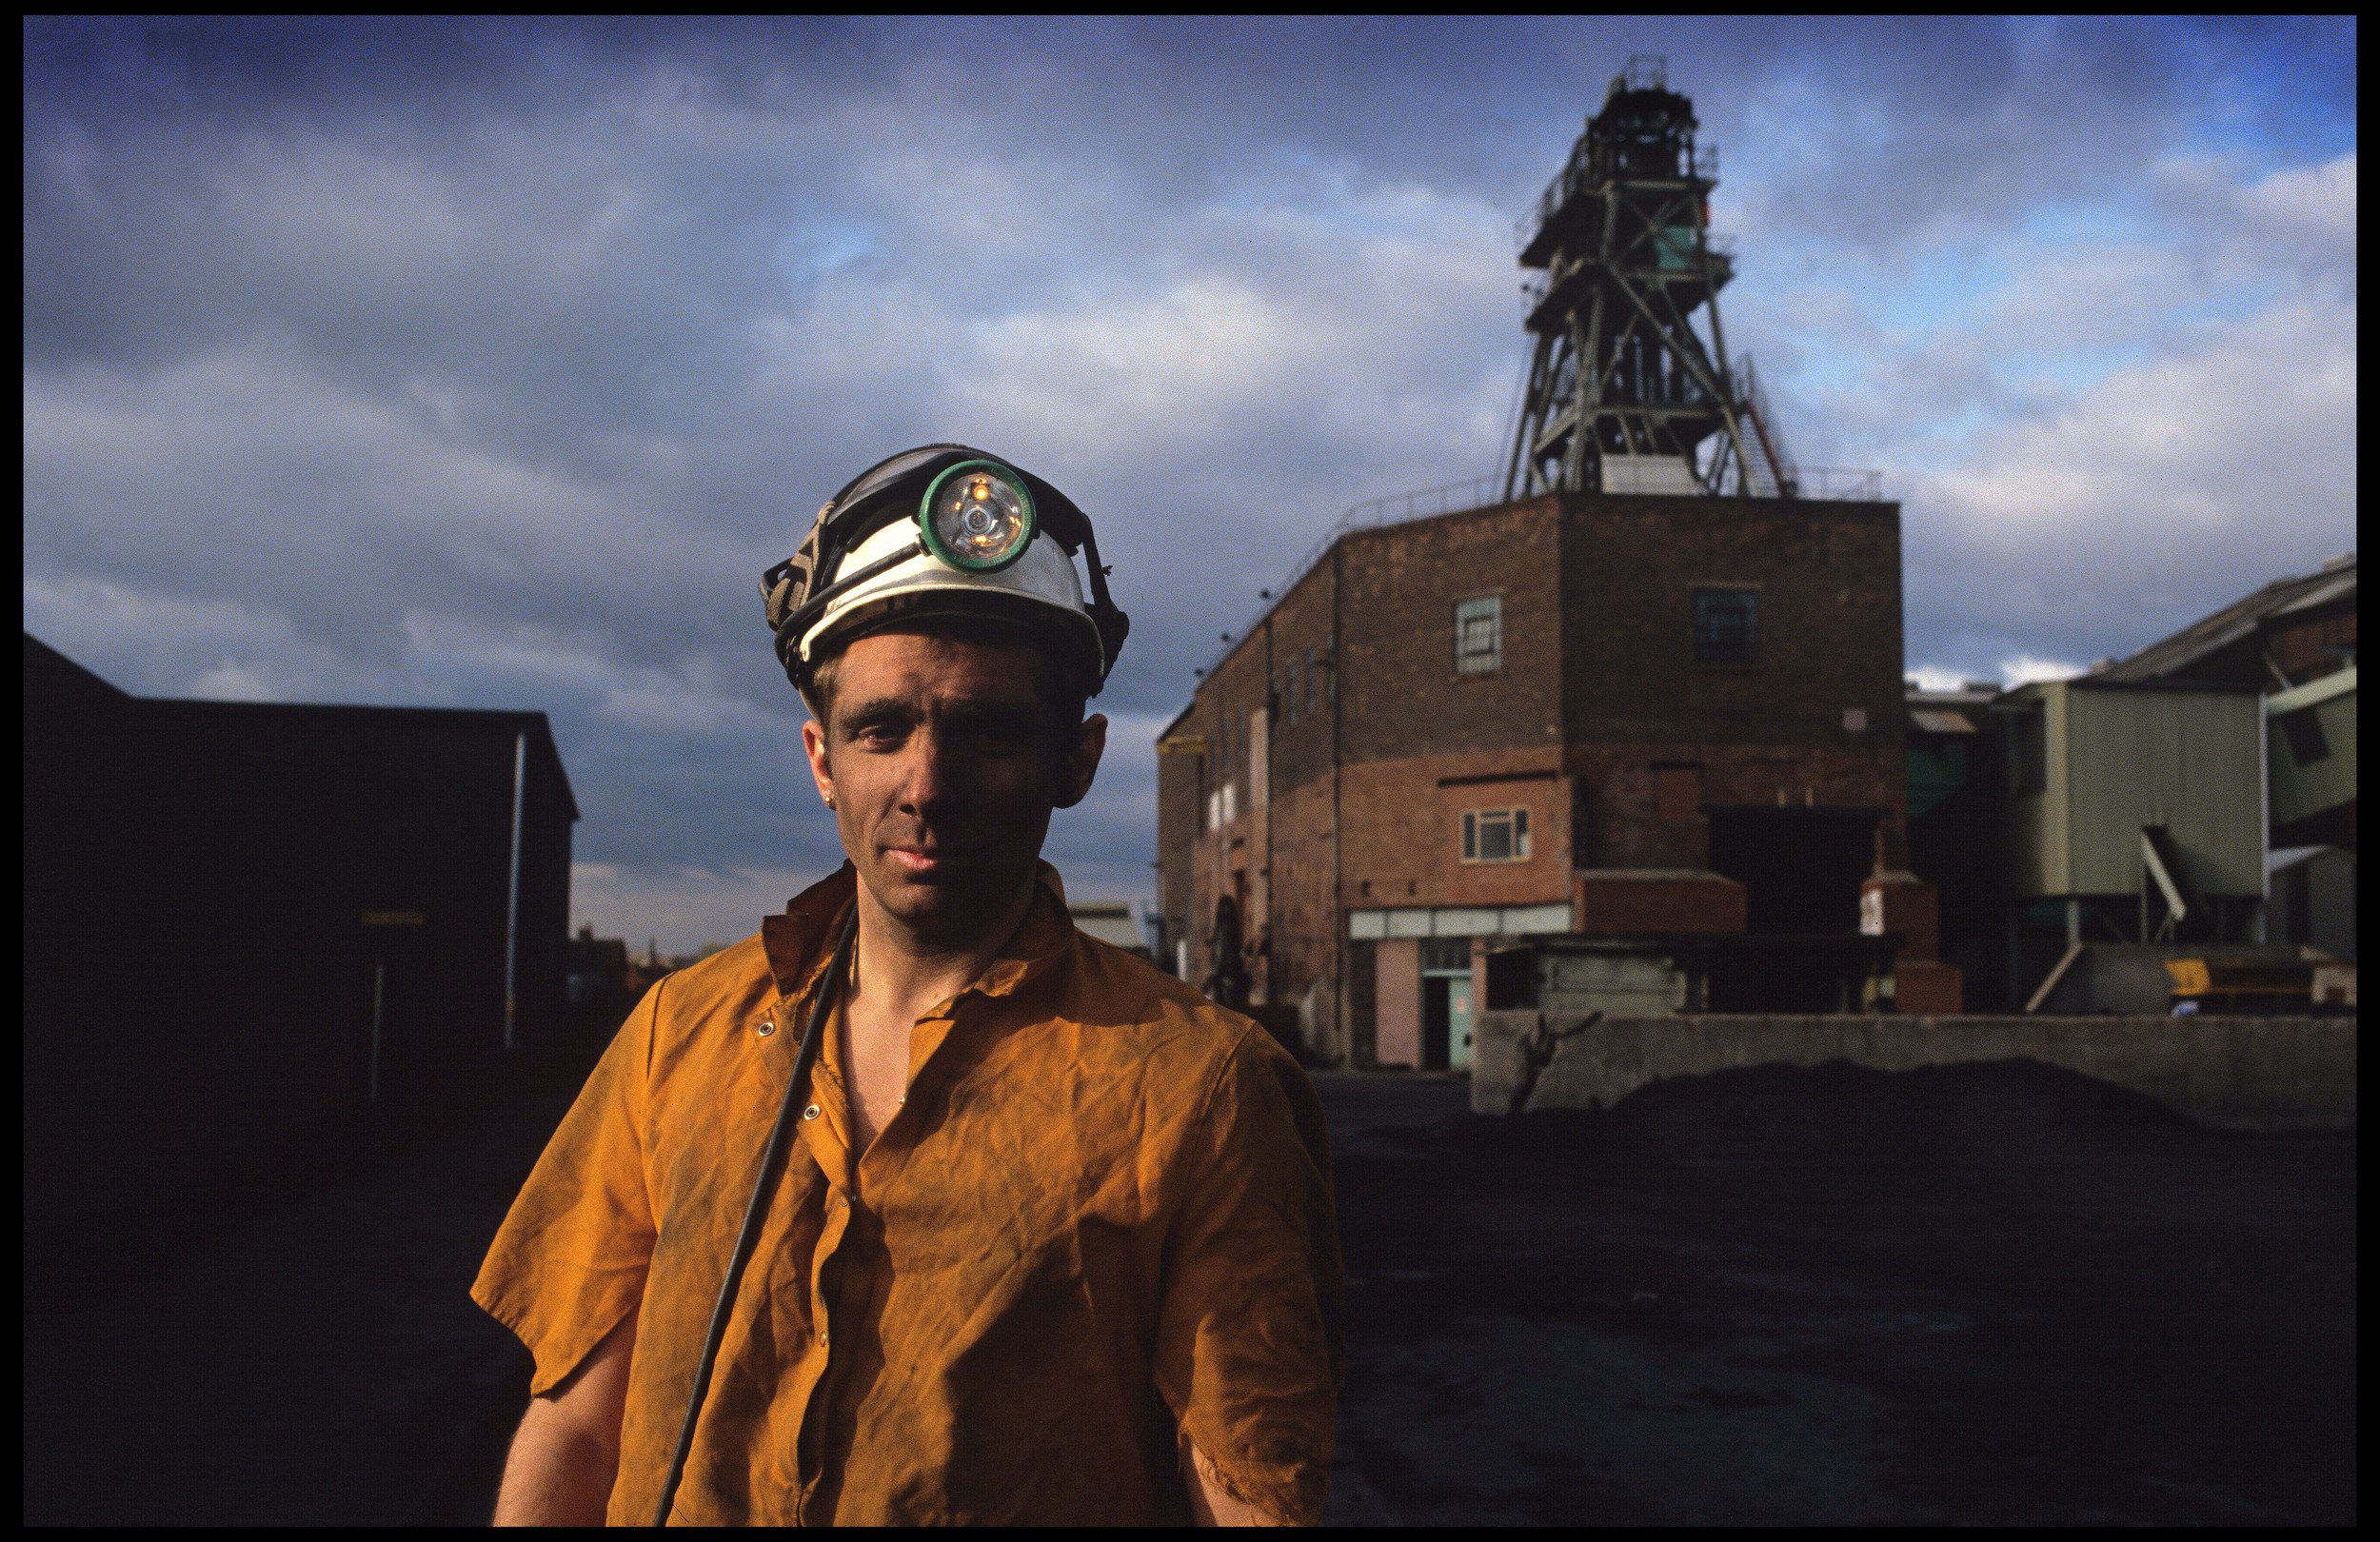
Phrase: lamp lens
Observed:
(978, 519)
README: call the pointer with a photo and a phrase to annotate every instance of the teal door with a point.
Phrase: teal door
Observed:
(1459, 1025)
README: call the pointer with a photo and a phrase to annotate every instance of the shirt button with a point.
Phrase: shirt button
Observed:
(821, 1342)
(810, 1112)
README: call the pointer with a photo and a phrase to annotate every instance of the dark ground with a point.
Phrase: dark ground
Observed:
(1976, 1295)
(1993, 1294)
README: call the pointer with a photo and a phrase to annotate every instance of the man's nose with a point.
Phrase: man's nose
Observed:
(929, 776)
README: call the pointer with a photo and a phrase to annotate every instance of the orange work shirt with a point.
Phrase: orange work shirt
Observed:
(1102, 1216)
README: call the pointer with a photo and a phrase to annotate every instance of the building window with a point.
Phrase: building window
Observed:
(1479, 635)
(1446, 953)
(2307, 742)
(1496, 834)
(1312, 669)
(1297, 687)
(1727, 627)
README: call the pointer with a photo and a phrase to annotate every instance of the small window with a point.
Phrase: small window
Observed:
(1297, 687)
(1312, 669)
(1446, 953)
(1727, 630)
(1479, 635)
(2307, 742)
(1496, 834)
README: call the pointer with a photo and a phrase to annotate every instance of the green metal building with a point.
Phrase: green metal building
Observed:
(2137, 809)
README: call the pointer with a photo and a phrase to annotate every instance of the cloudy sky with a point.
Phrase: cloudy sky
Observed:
(487, 364)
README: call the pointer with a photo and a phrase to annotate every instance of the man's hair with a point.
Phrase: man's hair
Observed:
(1056, 682)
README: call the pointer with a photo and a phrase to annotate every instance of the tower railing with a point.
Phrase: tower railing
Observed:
(1847, 485)
(1422, 504)
(1841, 483)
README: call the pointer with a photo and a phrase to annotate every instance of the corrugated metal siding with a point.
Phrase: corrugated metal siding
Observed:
(2300, 790)
(2187, 759)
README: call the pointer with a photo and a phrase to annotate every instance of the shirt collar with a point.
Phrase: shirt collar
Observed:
(1040, 941)
(799, 943)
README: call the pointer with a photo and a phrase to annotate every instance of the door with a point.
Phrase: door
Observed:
(1445, 1022)
(1436, 1000)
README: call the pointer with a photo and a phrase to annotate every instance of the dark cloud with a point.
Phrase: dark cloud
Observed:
(488, 361)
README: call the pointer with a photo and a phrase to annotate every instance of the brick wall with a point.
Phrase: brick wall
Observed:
(1401, 694)
(1403, 829)
(1596, 719)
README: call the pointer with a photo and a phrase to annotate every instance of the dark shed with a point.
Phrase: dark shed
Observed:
(243, 918)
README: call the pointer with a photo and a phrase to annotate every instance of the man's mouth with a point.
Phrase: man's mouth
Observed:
(918, 860)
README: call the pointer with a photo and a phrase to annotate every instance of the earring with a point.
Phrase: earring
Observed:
(830, 799)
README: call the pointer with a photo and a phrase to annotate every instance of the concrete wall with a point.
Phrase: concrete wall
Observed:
(2251, 1074)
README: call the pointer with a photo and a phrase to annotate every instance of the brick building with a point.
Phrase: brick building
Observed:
(1646, 717)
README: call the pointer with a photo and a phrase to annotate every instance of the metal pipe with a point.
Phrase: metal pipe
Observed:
(371, 1085)
(512, 881)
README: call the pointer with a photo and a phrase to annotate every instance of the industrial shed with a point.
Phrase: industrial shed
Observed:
(245, 919)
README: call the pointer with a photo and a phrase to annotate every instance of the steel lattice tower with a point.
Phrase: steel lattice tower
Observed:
(1622, 394)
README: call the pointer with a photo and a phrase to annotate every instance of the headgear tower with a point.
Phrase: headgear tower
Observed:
(1623, 396)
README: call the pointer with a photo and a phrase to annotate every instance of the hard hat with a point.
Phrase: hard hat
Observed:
(942, 529)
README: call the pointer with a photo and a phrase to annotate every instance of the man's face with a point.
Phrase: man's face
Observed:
(942, 765)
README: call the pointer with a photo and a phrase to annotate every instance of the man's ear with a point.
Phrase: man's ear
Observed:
(814, 749)
(1080, 765)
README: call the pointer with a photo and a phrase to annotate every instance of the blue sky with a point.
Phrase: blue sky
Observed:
(488, 363)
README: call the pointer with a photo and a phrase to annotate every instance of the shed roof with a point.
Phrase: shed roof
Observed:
(58, 685)
(2242, 618)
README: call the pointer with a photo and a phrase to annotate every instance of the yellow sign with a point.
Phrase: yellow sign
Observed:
(395, 918)
(1182, 744)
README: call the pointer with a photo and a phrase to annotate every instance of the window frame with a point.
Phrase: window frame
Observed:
(1472, 832)
(1490, 659)
(1703, 640)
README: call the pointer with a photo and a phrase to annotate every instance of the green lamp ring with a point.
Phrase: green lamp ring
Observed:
(970, 551)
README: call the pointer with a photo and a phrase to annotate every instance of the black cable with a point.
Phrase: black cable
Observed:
(789, 634)
(803, 1060)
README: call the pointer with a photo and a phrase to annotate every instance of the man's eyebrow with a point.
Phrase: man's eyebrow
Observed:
(973, 712)
(875, 710)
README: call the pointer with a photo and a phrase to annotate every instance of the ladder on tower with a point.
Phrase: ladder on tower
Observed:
(1769, 471)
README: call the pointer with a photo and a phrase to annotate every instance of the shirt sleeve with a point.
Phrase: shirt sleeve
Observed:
(570, 1259)
(1251, 1342)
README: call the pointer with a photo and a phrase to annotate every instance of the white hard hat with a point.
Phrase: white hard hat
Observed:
(939, 530)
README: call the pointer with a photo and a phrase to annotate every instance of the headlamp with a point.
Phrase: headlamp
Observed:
(977, 517)
(969, 541)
